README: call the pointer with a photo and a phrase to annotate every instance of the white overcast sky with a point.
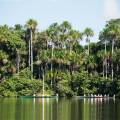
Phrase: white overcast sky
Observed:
(80, 13)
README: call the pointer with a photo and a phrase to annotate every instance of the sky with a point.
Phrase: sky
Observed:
(80, 13)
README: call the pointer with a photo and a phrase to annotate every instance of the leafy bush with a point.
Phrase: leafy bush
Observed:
(64, 90)
(20, 87)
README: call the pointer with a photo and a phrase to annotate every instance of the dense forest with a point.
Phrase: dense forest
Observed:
(30, 58)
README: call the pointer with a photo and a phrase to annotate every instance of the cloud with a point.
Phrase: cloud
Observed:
(111, 9)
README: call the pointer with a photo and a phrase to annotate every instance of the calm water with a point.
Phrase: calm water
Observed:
(59, 109)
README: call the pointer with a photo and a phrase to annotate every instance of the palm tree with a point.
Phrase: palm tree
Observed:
(88, 32)
(100, 55)
(74, 36)
(52, 33)
(18, 33)
(104, 38)
(65, 29)
(31, 26)
(91, 63)
(113, 33)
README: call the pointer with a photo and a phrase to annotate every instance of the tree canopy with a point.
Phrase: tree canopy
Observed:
(28, 57)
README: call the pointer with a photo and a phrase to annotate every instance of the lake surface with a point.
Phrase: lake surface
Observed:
(59, 109)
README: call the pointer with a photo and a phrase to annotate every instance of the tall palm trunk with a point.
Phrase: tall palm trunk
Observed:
(39, 68)
(117, 67)
(39, 71)
(88, 53)
(103, 69)
(29, 56)
(43, 76)
(52, 65)
(31, 59)
(18, 62)
(31, 25)
(88, 46)
(105, 60)
(113, 42)
(70, 48)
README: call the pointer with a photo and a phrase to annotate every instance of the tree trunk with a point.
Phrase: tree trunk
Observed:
(31, 38)
(88, 51)
(88, 46)
(29, 56)
(103, 69)
(43, 76)
(117, 67)
(112, 59)
(108, 66)
(18, 62)
(39, 71)
(70, 49)
(52, 65)
(106, 72)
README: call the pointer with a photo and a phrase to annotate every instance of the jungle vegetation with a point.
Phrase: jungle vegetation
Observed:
(55, 56)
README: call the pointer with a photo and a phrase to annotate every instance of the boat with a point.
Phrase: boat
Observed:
(42, 96)
(93, 96)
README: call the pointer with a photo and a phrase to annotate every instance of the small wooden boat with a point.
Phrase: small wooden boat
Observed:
(92, 96)
(46, 96)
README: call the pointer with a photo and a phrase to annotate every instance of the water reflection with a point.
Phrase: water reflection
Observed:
(59, 109)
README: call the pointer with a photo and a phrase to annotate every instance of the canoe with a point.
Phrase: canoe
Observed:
(39, 97)
(92, 96)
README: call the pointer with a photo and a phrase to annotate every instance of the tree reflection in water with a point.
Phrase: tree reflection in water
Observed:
(59, 109)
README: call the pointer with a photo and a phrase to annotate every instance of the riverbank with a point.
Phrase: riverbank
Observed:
(79, 85)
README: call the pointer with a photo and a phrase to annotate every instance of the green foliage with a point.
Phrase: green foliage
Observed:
(26, 73)
(3, 55)
(64, 90)
(63, 85)
(66, 67)
(19, 87)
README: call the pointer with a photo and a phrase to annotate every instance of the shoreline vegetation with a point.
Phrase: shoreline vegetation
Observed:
(53, 62)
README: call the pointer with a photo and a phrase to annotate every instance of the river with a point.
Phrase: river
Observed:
(59, 109)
